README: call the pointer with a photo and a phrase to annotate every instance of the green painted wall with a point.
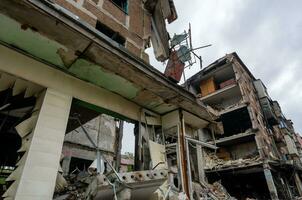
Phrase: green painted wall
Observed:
(46, 49)
(95, 74)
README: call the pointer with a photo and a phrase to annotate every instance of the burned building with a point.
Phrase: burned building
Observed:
(258, 155)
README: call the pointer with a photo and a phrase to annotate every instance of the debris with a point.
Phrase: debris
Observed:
(214, 191)
(77, 62)
(213, 162)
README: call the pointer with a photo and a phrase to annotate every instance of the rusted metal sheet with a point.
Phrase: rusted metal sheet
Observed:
(175, 67)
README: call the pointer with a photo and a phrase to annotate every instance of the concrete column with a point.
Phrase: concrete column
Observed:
(200, 157)
(298, 183)
(65, 165)
(270, 184)
(39, 174)
(118, 148)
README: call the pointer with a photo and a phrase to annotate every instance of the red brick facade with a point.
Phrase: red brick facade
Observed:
(134, 26)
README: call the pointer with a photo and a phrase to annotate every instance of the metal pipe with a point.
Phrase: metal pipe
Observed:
(204, 144)
(98, 161)
(96, 147)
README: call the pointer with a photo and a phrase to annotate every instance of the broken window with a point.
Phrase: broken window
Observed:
(235, 122)
(79, 164)
(122, 4)
(110, 33)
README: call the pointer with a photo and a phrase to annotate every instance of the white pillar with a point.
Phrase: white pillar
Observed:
(39, 174)
(200, 157)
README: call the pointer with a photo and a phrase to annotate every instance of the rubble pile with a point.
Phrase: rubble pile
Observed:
(219, 192)
(214, 191)
(75, 188)
(213, 162)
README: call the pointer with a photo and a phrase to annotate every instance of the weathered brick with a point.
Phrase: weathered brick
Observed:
(136, 17)
(133, 49)
(145, 57)
(115, 11)
(90, 20)
(136, 31)
(147, 25)
(105, 19)
(135, 38)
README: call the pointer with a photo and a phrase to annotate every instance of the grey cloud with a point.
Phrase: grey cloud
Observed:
(267, 35)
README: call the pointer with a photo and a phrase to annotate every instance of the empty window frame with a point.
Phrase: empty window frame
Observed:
(110, 33)
(122, 4)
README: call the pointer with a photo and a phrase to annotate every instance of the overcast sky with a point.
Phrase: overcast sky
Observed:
(267, 36)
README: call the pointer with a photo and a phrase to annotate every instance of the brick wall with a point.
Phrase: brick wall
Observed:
(134, 26)
(249, 94)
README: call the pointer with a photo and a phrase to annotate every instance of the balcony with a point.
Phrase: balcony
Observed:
(235, 139)
(224, 97)
(268, 111)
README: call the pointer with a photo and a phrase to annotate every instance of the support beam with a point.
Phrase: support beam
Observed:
(298, 183)
(200, 158)
(66, 164)
(189, 170)
(204, 144)
(182, 155)
(270, 184)
(119, 145)
(42, 162)
(20, 65)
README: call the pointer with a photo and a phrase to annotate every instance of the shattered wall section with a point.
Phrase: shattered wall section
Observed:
(102, 131)
(102, 126)
(264, 141)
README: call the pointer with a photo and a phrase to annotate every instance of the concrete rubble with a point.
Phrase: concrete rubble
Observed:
(213, 162)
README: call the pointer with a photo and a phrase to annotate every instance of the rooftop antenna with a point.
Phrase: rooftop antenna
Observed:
(182, 55)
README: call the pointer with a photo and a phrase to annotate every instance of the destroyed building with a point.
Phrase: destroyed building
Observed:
(73, 71)
(78, 152)
(259, 153)
(63, 64)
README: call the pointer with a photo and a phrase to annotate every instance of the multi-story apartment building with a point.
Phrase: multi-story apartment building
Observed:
(258, 155)
(65, 63)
